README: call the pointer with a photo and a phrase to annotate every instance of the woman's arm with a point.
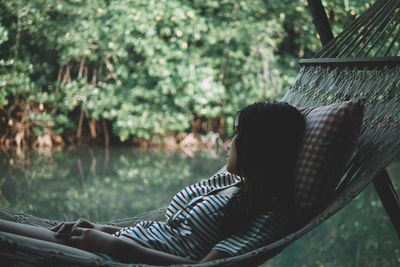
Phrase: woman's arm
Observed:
(128, 252)
(110, 229)
(93, 240)
(96, 241)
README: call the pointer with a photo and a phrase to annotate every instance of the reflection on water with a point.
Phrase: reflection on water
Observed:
(98, 184)
(101, 184)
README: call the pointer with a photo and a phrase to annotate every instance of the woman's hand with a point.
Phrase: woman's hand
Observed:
(63, 229)
(89, 239)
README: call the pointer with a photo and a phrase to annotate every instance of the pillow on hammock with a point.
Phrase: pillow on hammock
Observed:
(329, 140)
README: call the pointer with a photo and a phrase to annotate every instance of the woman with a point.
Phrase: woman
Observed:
(201, 216)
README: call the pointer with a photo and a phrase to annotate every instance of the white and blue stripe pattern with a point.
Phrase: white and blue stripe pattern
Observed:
(192, 225)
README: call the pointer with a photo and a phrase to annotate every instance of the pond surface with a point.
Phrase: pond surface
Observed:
(101, 185)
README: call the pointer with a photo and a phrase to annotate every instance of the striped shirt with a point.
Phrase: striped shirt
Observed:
(193, 222)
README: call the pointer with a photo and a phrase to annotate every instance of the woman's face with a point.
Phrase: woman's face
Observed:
(231, 165)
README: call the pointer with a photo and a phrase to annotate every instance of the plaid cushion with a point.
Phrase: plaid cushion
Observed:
(329, 140)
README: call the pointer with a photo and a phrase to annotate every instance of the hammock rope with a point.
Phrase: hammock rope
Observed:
(374, 34)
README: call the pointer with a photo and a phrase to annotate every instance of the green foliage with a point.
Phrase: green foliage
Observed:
(149, 68)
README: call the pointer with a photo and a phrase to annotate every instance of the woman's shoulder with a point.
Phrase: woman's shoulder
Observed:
(226, 178)
(218, 181)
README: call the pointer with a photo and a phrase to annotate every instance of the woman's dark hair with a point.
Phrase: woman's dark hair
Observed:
(268, 137)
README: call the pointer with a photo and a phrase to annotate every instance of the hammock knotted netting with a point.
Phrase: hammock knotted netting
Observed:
(362, 61)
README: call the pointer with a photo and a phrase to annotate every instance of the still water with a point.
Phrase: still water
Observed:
(101, 185)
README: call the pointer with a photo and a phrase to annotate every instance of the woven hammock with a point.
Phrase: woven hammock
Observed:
(362, 61)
